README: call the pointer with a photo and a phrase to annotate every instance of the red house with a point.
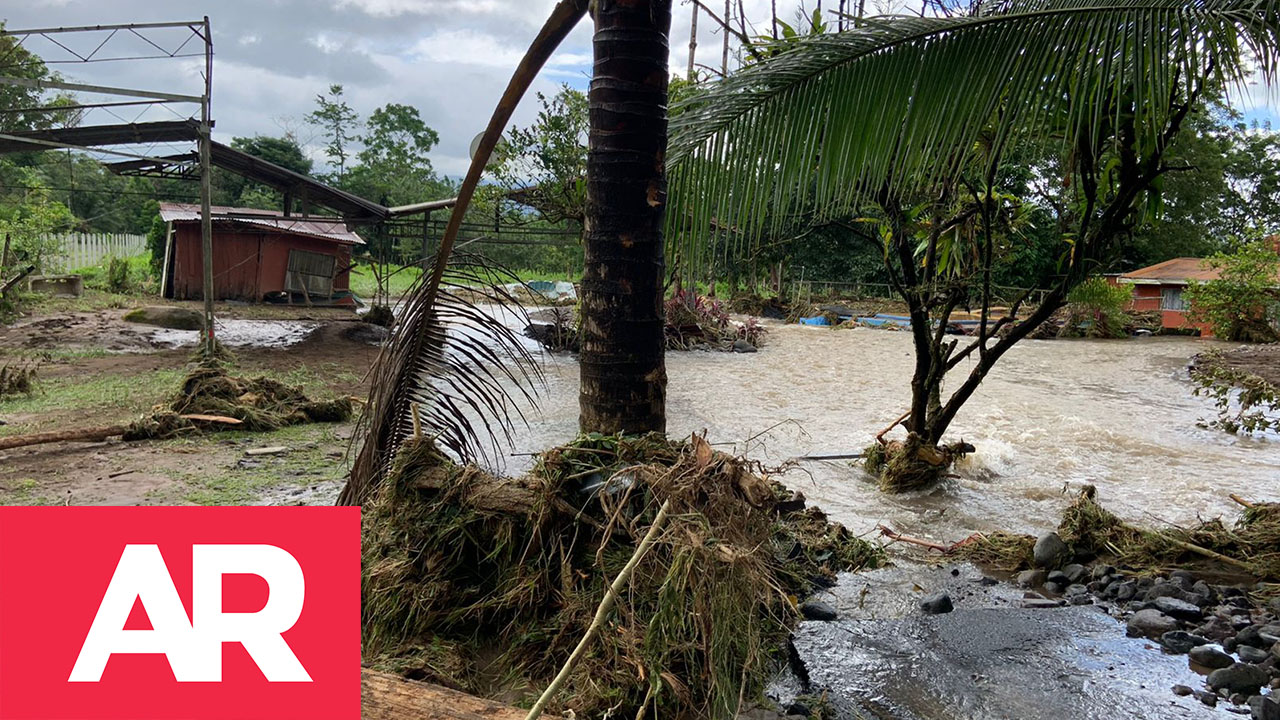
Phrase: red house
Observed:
(258, 255)
(1160, 287)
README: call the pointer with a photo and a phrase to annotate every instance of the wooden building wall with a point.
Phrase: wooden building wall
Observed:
(247, 263)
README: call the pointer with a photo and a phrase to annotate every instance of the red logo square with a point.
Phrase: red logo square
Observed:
(151, 613)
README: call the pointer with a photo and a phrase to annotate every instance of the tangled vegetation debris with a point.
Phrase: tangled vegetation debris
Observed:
(694, 320)
(17, 380)
(259, 404)
(1247, 403)
(1251, 545)
(485, 584)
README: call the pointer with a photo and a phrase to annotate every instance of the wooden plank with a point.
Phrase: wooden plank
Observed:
(388, 697)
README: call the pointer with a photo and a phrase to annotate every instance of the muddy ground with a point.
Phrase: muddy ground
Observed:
(1260, 360)
(94, 369)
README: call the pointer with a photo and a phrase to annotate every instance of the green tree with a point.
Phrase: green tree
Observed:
(1243, 303)
(236, 190)
(544, 165)
(395, 164)
(911, 120)
(337, 122)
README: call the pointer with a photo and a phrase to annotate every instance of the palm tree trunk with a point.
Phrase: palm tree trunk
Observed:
(623, 374)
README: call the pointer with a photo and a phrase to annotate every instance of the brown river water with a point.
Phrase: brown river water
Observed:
(1053, 416)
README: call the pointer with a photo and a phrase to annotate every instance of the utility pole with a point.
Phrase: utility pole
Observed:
(693, 40)
(206, 222)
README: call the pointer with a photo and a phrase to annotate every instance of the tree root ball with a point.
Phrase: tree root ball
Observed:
(913, 464)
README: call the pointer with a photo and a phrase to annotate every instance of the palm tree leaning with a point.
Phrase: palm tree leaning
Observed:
(909, 121)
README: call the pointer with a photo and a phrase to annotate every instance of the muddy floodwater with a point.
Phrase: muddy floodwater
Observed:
(1054, 415)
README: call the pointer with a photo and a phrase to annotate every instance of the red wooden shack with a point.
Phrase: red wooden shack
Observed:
(259, 255)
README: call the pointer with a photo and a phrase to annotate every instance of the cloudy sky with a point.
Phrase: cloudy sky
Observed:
(449, 58)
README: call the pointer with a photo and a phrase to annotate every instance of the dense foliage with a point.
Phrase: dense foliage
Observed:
(1243, 302)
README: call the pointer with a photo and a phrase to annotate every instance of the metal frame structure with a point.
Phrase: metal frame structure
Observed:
(94, 137)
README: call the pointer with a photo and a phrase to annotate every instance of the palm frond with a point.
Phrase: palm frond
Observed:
(899, 102)
(452, 370)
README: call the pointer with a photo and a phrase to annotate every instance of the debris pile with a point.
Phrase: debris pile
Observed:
(209, 394)
(485, 584)
(17, 380)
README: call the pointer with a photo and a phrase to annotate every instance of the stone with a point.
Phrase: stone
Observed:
(1180, 609)
(1054, 588)
(1251, 654)
(1059, 577)
(1074, 572)
(1181, 690)
(1250, 636)
(1239, 677)
(1126, 591)
(1032, 578)
(1207, 698)
(1210, 657)
(1264, 708)
(1150, 623)
(742, 346)
(1040, 603)
(174, 318)
(937, 604)
(1081, 599)
(1160, 590)
(1050, 551)
(1183, 578)
(1181, 641)
(1077, 589)
(798, 708)
(1274, 606)
(818, 610)
(1101, 571)
(1270, 634)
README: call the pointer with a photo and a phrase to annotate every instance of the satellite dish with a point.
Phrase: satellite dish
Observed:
(475, 144)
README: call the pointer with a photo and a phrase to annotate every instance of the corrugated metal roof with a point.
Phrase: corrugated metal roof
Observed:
(1176, 271)
(335, 230)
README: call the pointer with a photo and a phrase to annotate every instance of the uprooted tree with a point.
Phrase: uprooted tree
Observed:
(914, 124)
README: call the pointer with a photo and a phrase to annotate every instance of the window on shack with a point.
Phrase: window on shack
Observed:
(310, 273)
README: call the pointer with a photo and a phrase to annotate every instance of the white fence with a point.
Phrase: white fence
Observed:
(86, 249)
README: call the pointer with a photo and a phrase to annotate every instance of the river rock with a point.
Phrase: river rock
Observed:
(1180, 609)
(1250, 636)
(1207, 698)
(1209, 657)
(1050, 551)
(1150, 623)
(1274, 606)
(1182, 690)
(1125, 591)
(1182, 578)
(1238, 678)
(1101, 571)
(937, 604)
(1032, 578)
(817, 610)
(174, 318)
(1181, 641)
(742, 346)
(1251, 654)
(1264, 708)
(1270, 634)
(1171, 590)
(1075, 572)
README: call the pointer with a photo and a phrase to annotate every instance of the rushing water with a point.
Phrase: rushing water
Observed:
(1053, 416)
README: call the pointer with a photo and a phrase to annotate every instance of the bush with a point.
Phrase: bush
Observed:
(1097, 308)
(123, 276)
(1242, 304)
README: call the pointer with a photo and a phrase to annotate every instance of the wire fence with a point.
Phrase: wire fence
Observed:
(80, 250)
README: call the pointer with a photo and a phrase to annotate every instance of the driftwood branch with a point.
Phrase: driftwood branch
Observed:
(94, 434)
(602, 612)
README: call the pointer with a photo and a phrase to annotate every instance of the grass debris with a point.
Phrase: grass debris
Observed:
(17, 380)
(485, 584)
(260, 403)
(1251, 545)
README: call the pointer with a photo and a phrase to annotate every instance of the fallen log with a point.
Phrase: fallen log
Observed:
(388, 697)
(6, 287)
(96, 434)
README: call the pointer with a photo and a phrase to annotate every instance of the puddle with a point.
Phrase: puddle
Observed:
(240, 333)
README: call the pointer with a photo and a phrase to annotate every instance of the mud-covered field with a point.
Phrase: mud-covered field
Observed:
(94, 369)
